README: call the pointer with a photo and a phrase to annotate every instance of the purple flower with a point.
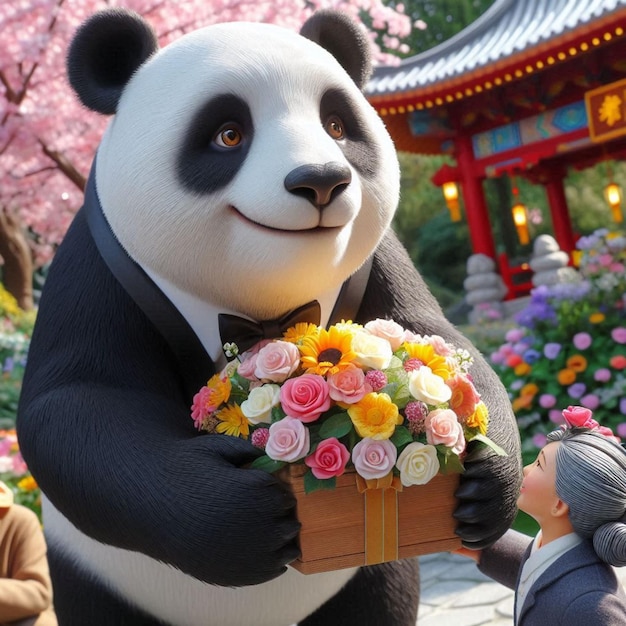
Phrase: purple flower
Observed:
(622, 406)
(514, 335)
(551, 350)
(603, 375)
(556, 416)
(531, 356)
(539, 440)
(547, 400)
(621, 430)
(582, 341)
(590, 401)
(576, 390)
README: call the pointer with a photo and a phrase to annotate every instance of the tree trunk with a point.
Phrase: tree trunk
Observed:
(18, 261)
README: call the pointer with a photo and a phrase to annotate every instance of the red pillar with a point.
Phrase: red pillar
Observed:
(474, 200)
(561, 222)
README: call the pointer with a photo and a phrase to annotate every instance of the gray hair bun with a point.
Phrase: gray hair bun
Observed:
(609, 542)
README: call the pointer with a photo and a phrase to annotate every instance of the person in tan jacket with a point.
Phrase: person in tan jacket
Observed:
(25, 586)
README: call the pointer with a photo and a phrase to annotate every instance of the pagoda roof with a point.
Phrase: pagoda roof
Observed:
(511, 39)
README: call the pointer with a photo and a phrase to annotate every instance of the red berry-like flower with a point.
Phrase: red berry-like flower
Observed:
(412, 364)
(376, 379)
(260, 437)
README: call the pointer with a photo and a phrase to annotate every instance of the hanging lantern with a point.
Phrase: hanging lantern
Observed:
(451, 195)
(520, 219)
(613, 195)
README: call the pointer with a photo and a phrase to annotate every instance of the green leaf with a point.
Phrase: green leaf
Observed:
(449, 462)
(401, 436)
(266, 464)
(491, 444)
(336, 426)
(312, 484)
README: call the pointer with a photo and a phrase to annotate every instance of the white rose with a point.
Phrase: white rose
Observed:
(371, 351)
(387, 329)
(258, 407)
(417, 463)
(428, 387)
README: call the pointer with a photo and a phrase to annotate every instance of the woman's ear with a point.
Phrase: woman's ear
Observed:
(560, 509)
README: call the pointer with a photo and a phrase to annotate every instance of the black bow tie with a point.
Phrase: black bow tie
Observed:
(245, 333)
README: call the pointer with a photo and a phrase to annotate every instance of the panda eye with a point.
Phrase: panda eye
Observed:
(334, 127)
(229, 136)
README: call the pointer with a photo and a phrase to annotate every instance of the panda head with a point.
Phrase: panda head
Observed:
(243, 163)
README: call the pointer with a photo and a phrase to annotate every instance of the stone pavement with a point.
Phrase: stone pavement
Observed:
(455, 593)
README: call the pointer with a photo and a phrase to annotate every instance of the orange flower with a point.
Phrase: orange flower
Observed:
(464, 396)
(529, 390)
(522, 402)
(426, 354)
(566, 377)
(28, 483)
(296, 334)
(577, 363)
(522, 369)
(479, 418)
(597, 318)
(232, 422)
(375, 416)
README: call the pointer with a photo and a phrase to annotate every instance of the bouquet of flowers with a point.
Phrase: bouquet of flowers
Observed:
(377, 398)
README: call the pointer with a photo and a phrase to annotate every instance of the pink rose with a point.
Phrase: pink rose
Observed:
(329, 459)
(441, 346)
(619, 334)
(387, 329)
(348, 385)
(305, 397)
(373, 458)
(442, 427)
(248, 360)
(579, 416)
(276, 361)
(288, 440)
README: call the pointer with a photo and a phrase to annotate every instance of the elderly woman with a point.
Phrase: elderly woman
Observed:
(576, 491)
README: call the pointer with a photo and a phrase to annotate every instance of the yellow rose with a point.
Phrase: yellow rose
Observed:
(417, 463)
(371, 351)
(428, 387)
(375, 416)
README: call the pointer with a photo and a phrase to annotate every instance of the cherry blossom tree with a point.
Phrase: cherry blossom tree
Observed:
(47, 139)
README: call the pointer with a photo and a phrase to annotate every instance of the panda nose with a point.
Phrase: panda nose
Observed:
(319, 184)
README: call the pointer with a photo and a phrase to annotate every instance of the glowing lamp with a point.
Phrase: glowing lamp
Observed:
(613, 195)
(451, 195)
(520, 219)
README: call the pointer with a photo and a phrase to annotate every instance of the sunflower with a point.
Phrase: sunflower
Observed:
(328, 351)
(232, 422)
(426, 354)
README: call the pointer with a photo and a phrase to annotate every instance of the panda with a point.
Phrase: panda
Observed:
(243, 172)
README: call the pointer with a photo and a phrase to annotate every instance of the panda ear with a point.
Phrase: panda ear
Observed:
(104, 54)
(344, 39)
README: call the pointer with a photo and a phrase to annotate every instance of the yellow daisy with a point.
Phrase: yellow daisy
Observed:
(426, 354)
(297, 333)
(375, 416)
(232, 422)
(480, 418)
(328, 351)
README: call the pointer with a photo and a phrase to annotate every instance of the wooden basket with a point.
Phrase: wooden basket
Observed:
(348, 528)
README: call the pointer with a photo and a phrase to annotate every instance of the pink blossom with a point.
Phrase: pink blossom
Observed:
(579, 416)
(547, 401)
(590, 401)
(348, 385)
(602, 375)
(514, 335)
(582, 341)
(373, 458)
(376, 379)
(276, 361)
(259, 437)
(329, 459)
(201, 407)
(387, 329)
(441, 346)
(288, 440)
(619, 334)
(305, 397)
(621, 429)
(539, 440)
(442, 427)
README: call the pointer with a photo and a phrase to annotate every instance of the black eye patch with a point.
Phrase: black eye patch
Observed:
(203, 165)
(358, 144)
